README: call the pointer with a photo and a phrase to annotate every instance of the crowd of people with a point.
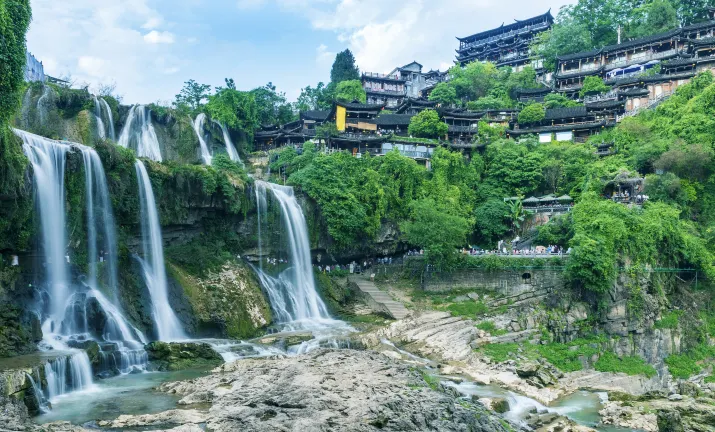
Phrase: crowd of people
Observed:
(503, 250)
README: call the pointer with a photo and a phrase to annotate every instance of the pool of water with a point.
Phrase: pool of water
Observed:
(110, 398)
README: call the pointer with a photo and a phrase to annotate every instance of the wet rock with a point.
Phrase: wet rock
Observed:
(670, 421)
(336, 390)
(166, 419)
(179, 356)
(675, 397)
(500, 405)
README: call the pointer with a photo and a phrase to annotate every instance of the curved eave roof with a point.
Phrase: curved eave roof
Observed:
(506, 28)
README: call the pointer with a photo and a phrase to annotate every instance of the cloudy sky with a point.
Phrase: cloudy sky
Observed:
(150, 47)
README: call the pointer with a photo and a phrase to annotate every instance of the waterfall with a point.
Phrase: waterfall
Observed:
(105, 120)
(230, 148)
(110, 119)
(101, 131)
(292, 295)
(66, 312)
(199, 124)
(168, 326)
(48, 164)
(40, 399)
(42, 105)
(139, 133)
(68, 373)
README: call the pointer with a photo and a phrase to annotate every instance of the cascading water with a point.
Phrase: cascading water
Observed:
(42, 109)
(168, 326)
(105, 120)
(101, 131)
(230, 148)
(199, 124)
(139, 133)
(292, 295)
(66, 313)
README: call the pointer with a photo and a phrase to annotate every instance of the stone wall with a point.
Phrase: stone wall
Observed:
(507, 282)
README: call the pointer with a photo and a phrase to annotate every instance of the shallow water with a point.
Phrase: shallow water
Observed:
(126, 394)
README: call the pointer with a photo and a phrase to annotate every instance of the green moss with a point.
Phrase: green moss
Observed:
(181, 356)
(669, 320)
(468, 309)
(630, 365)
(500, 352)
(228, 296)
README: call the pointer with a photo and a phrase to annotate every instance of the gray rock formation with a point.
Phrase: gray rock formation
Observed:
(341, 390)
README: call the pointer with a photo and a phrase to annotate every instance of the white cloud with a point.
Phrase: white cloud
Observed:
(323, 55)
(152, 23)
(157, 37)
(385, 34)
(97, 42)
(92, 66)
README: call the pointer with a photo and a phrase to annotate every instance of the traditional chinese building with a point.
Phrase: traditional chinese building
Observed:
(384, 89)
(569, 124)
(507, 45)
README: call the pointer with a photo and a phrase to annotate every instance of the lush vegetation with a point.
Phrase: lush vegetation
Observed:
(427, 124)
(591, 24)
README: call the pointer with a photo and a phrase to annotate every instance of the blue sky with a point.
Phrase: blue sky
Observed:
(150, 47)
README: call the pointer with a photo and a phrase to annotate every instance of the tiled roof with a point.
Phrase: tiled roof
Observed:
(560, 113)
(578, 55)
(560, 128)
(361, 106)
(317, 115)
(605, 104)
(640, 41)
(533, 91)
(507, 28)
(393, 119)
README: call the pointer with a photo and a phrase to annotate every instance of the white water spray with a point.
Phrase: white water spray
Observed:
(199, 124)
(167, 324)
(230, 148)
(293, 295)
(101, 130)
(139, 133)
(105, 119)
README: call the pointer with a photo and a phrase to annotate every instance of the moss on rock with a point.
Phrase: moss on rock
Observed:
(180, 356)
(228, 299)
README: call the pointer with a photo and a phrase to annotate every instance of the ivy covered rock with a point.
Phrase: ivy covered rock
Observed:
(226, 301)
(176, 356)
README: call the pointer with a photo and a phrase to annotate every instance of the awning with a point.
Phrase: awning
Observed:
(547, 198)
(531, 200)
(652, 62)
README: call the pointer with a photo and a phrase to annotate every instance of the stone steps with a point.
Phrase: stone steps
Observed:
(396, 309)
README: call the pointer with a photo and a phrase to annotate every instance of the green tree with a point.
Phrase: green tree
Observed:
(318, 98)
(444, 93)
(491, 221)
(533, 113)
(348, 91)
(235, 109)
(192, 96)
(516, 215)
(565, 37)
(344, 68)
(661, 17)
(272, 106)
(427, 124)
(487, 103)
(474, 80)
(557, 100)
(593, 85)
(691, 11)
(433, 228)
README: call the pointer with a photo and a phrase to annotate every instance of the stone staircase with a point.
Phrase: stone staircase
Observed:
(383, 301)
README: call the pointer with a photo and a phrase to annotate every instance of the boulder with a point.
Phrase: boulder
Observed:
(670, 421)
(181, 355)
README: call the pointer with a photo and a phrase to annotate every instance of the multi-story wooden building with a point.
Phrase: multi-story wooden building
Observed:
(403, 82)
(508, 45)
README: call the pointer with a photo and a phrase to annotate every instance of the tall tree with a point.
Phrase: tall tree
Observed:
(272, 106)
(565, 37)
(691, 11)
(427, 125)
(661, 17)
(344, 68)
(234, 108)
(444, 93)
(348, 91)
(193, 95)
(318, 98)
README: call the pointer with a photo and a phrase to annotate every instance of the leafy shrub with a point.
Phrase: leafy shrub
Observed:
(630, 365)
(469, 309)
(669, 320)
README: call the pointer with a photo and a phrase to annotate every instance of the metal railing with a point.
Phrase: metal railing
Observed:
(648, 56)
(651, 102)
(522, 30)
(610, 95)
(380, 75)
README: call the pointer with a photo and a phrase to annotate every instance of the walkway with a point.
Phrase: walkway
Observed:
(382, 299)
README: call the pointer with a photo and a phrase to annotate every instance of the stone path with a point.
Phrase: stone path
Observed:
(396, 309)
